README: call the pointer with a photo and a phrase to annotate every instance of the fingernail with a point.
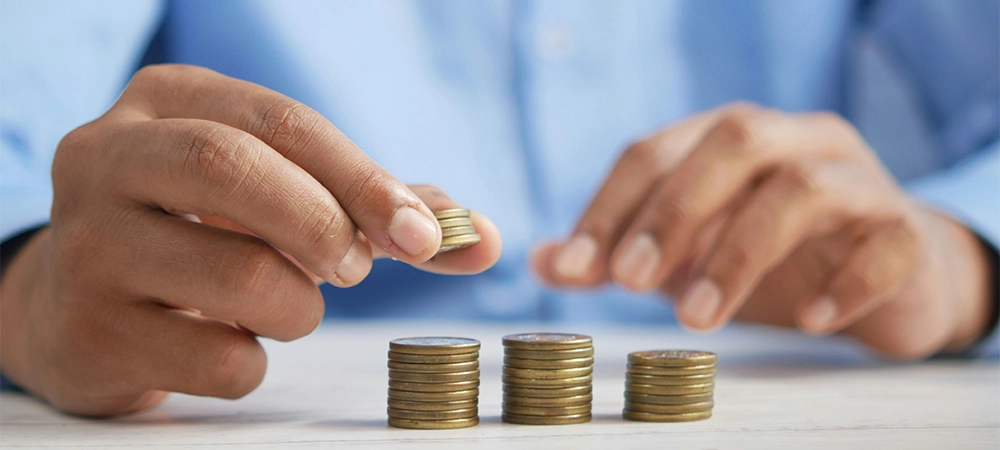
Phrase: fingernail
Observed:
(354, 267)
(817, 317)
(699, 304)
(639, 262)
(411, 231)
(576, 256)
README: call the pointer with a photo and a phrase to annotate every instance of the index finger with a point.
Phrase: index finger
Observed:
(391, 216)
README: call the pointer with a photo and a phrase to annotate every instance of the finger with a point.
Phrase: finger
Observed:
(582, 260)
(870, 275)
(387, 212)
(179, 351)
(796, 202)
(210, 169)
(469, 260)
(742, 146)
(223, 274)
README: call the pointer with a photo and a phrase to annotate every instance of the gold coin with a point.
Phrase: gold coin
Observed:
(545, 420)
(455, 222)
(669, 390)
(547, 341)
(549, 401)
(433, 415)
(433, 424)
(548, 363)
(459, 242)
(663, 380)
(451, 212)
(433, 359)
(434, 377)
(546, 410)
(457, 231)
(411, 405)
(452, 396)
(434, 345)
(433, 387)
(672, 358)
(669, 409)
(565, 392)
(650, 417)
(575, 353)
(548, 382)
(667, 399)
(670, 371)
(434, 368)
(548, 374)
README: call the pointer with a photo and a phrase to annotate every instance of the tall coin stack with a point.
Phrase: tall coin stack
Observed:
(669, 385)
(456, 229)
(433, 383)
(547, 378)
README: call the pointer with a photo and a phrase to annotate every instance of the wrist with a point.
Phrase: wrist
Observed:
(18, 283)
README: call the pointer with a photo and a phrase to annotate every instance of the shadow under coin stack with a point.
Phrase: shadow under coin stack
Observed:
(669, 385)
(433, 383)
(547, 378)
(456, 229)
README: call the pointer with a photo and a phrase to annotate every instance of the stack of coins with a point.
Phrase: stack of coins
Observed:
(456, 229)
(547, 378)
(669, 385)
(433, 383)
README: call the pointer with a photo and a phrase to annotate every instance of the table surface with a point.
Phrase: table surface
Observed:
(775, 389)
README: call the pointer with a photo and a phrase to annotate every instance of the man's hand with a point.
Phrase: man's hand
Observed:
(195, 215)
(787, 219)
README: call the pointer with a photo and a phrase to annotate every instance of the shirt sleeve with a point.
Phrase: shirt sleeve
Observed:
(950, 51)
(64, 63)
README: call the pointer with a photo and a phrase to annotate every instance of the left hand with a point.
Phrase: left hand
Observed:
(787, 219)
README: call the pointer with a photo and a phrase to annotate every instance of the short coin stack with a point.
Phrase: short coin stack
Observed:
(547, 378)
(669, 385)
(456, 229)
(433, 383)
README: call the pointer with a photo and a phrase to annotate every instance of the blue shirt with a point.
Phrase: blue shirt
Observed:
(517, 108)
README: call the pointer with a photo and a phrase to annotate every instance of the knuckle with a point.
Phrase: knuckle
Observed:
(238, 369)
(216, 156)
(741, 107)
(860, 284)
(737, 132)
(367, 187)
(257, 271)
(733, 257)
(600, 221)
(672, 211)
(327, 229)
(287, 125)
(643, 154)
(798, 181)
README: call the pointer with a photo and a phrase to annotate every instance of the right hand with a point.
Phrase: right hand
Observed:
(131, 294)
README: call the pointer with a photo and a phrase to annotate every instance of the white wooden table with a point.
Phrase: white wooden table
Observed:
(775, 389)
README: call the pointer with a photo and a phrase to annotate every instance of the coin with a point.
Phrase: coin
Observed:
(672, 358)
(433, 424)
(457, 231)
(532, 392)
(455, 222)
(412, 405)
(458, 242)
(653, 370)
(650, 417)
(434, 387)
(668, 390)
(550, 401)
(434, 368)
(549, 354)
(678, 380)
(452, 212)
(553, 382)
(546, 410)
(546, 341)
(449, 396)
(545, 420)
(668, 399)
(434, 345)
(548, 374)
(548, 363)
(669, 409)
(433, 415)
(434, 377)
(433, 359)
